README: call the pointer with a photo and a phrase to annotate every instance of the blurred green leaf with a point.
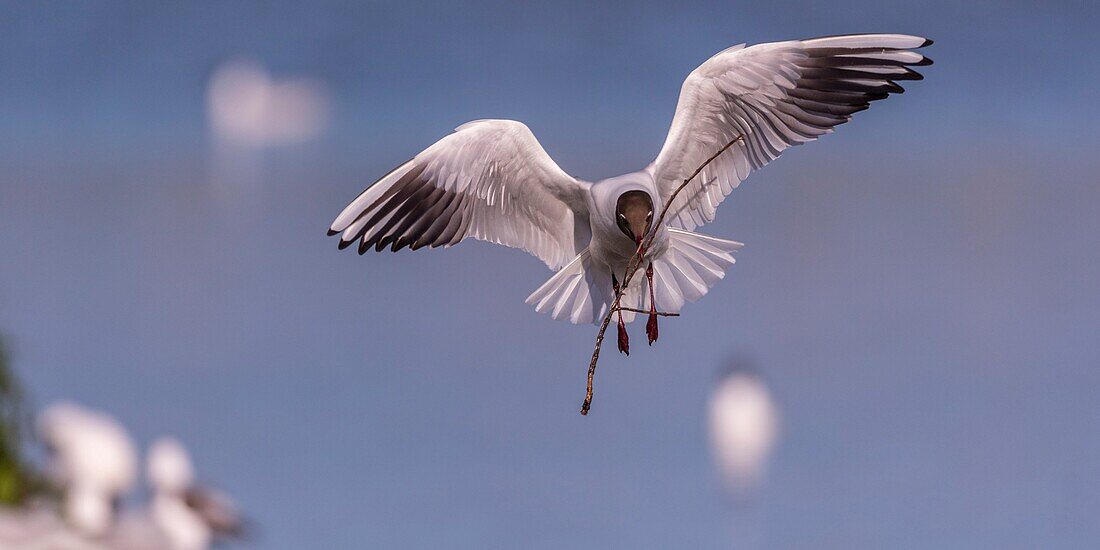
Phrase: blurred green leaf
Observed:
(16, 479)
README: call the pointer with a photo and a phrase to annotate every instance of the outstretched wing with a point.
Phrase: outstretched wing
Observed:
(776, 96)
(490, 180)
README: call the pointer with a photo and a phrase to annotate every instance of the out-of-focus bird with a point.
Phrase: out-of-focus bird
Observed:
(92, 459)
(249, 111)
(744, 426)
(247, 107)
(190, 516)
(492, 180)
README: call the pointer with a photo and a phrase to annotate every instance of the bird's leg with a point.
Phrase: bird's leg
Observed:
(624, 339)
(651, 325)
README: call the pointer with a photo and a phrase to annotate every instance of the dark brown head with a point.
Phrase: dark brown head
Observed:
(633, 214)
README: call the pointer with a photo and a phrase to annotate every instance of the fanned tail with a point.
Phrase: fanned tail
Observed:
(581, 292)
(684, 273)
(578, 292)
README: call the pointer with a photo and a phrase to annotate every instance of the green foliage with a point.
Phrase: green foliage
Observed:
(15, 478)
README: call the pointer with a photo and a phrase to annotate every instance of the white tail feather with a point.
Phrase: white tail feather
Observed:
(581, 291)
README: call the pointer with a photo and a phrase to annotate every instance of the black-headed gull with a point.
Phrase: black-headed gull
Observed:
(93, 460)
(491, 180)
(189, 515)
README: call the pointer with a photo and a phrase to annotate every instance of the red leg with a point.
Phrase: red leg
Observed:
(624, 339)
(651, 325)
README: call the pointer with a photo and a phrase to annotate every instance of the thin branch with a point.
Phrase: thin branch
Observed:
(646, 311)
(632, 268)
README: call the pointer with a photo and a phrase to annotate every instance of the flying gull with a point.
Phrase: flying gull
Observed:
(491, 179)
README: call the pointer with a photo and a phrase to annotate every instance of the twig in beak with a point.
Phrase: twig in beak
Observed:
(632, 268)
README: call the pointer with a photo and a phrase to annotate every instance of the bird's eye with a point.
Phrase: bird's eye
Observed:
(622, 217)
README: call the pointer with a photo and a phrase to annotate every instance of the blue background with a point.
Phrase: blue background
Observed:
(920, 289)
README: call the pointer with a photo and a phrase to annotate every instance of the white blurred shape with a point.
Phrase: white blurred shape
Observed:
(169, 467)
(93, 460)
(744, 427)
(189, 516)
(171, 474)
(87, 510)
(247, 108)
(37, 527)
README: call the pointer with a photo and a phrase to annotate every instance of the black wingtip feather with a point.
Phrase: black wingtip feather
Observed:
(927, 42)
(332, 232)
(343, 244)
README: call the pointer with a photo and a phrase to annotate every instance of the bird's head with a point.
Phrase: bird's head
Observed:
(169, 467)
(634, 214)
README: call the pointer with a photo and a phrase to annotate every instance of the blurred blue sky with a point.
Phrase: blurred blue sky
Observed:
(920, 289)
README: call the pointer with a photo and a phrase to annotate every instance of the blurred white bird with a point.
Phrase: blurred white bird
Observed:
(190, 516)
(92, 459)
(247, 107)
(744, 426)
(249, 112)
(492, 180)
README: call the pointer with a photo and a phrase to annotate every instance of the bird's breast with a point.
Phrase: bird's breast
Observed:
(611, 247)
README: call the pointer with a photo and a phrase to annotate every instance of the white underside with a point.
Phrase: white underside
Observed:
(581, 291)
